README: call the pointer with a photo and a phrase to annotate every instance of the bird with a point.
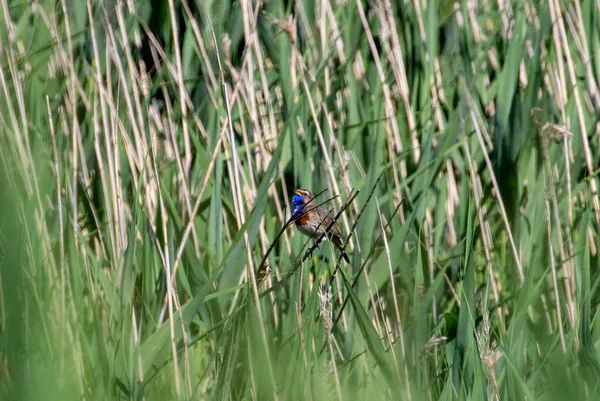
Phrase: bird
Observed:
(312, 220)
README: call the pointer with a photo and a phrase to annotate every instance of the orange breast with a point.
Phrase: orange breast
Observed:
(303, 220)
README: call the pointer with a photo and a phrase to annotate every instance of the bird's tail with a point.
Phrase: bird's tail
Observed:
(337, 241)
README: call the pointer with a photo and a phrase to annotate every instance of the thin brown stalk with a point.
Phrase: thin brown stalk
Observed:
(496, 190)
(555, 9)
(554, 279)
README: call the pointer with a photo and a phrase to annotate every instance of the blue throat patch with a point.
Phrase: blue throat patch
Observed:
(298, 203)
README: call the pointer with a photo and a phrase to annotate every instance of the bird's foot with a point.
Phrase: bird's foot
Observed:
(308, 254)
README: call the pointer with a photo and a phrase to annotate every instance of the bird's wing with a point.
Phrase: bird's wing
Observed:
(326, 220)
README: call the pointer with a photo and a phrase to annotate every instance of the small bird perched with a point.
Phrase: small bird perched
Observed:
(312, 220)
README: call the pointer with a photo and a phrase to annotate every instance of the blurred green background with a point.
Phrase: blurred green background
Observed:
(148, 150)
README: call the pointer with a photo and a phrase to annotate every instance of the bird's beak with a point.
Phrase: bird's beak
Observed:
(297, 192)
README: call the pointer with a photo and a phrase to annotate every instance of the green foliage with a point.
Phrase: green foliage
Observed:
(148, 151)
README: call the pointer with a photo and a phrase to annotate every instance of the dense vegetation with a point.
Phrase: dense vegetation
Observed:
(148, 151)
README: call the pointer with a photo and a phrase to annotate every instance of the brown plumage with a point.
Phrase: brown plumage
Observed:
(314, 219)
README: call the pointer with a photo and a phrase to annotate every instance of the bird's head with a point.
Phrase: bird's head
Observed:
(301, 197)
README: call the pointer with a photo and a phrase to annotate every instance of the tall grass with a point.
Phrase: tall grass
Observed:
(149, 151)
